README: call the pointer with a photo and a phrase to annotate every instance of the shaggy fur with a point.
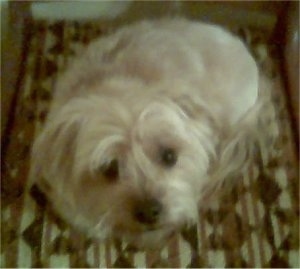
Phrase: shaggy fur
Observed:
(150, 87)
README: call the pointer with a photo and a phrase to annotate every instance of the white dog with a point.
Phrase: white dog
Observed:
(143, 125)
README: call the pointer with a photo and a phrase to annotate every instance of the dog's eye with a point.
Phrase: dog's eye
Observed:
(111, 170)
(168, 157)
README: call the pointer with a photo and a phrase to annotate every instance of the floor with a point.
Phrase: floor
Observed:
(254, 225)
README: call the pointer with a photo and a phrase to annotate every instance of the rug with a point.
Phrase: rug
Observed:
(255, 224)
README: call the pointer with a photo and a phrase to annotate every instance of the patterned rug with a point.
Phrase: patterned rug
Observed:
(255, 224)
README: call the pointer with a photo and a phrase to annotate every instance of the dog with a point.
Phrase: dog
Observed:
(144, 124)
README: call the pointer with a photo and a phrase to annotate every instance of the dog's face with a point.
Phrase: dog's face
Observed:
(125, 172)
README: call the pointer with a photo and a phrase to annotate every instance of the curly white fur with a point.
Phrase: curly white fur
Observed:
(176, 84)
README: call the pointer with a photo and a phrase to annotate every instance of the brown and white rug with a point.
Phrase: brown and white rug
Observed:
(256, 224)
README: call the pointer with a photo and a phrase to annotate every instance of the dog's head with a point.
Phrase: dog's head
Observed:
(124, 169)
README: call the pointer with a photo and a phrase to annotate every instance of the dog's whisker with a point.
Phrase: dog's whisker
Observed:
(101, 228)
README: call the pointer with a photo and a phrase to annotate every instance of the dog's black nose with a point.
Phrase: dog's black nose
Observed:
(148, 211)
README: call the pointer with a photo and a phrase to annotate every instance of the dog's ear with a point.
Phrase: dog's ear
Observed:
(236, 150)
(53, 151)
